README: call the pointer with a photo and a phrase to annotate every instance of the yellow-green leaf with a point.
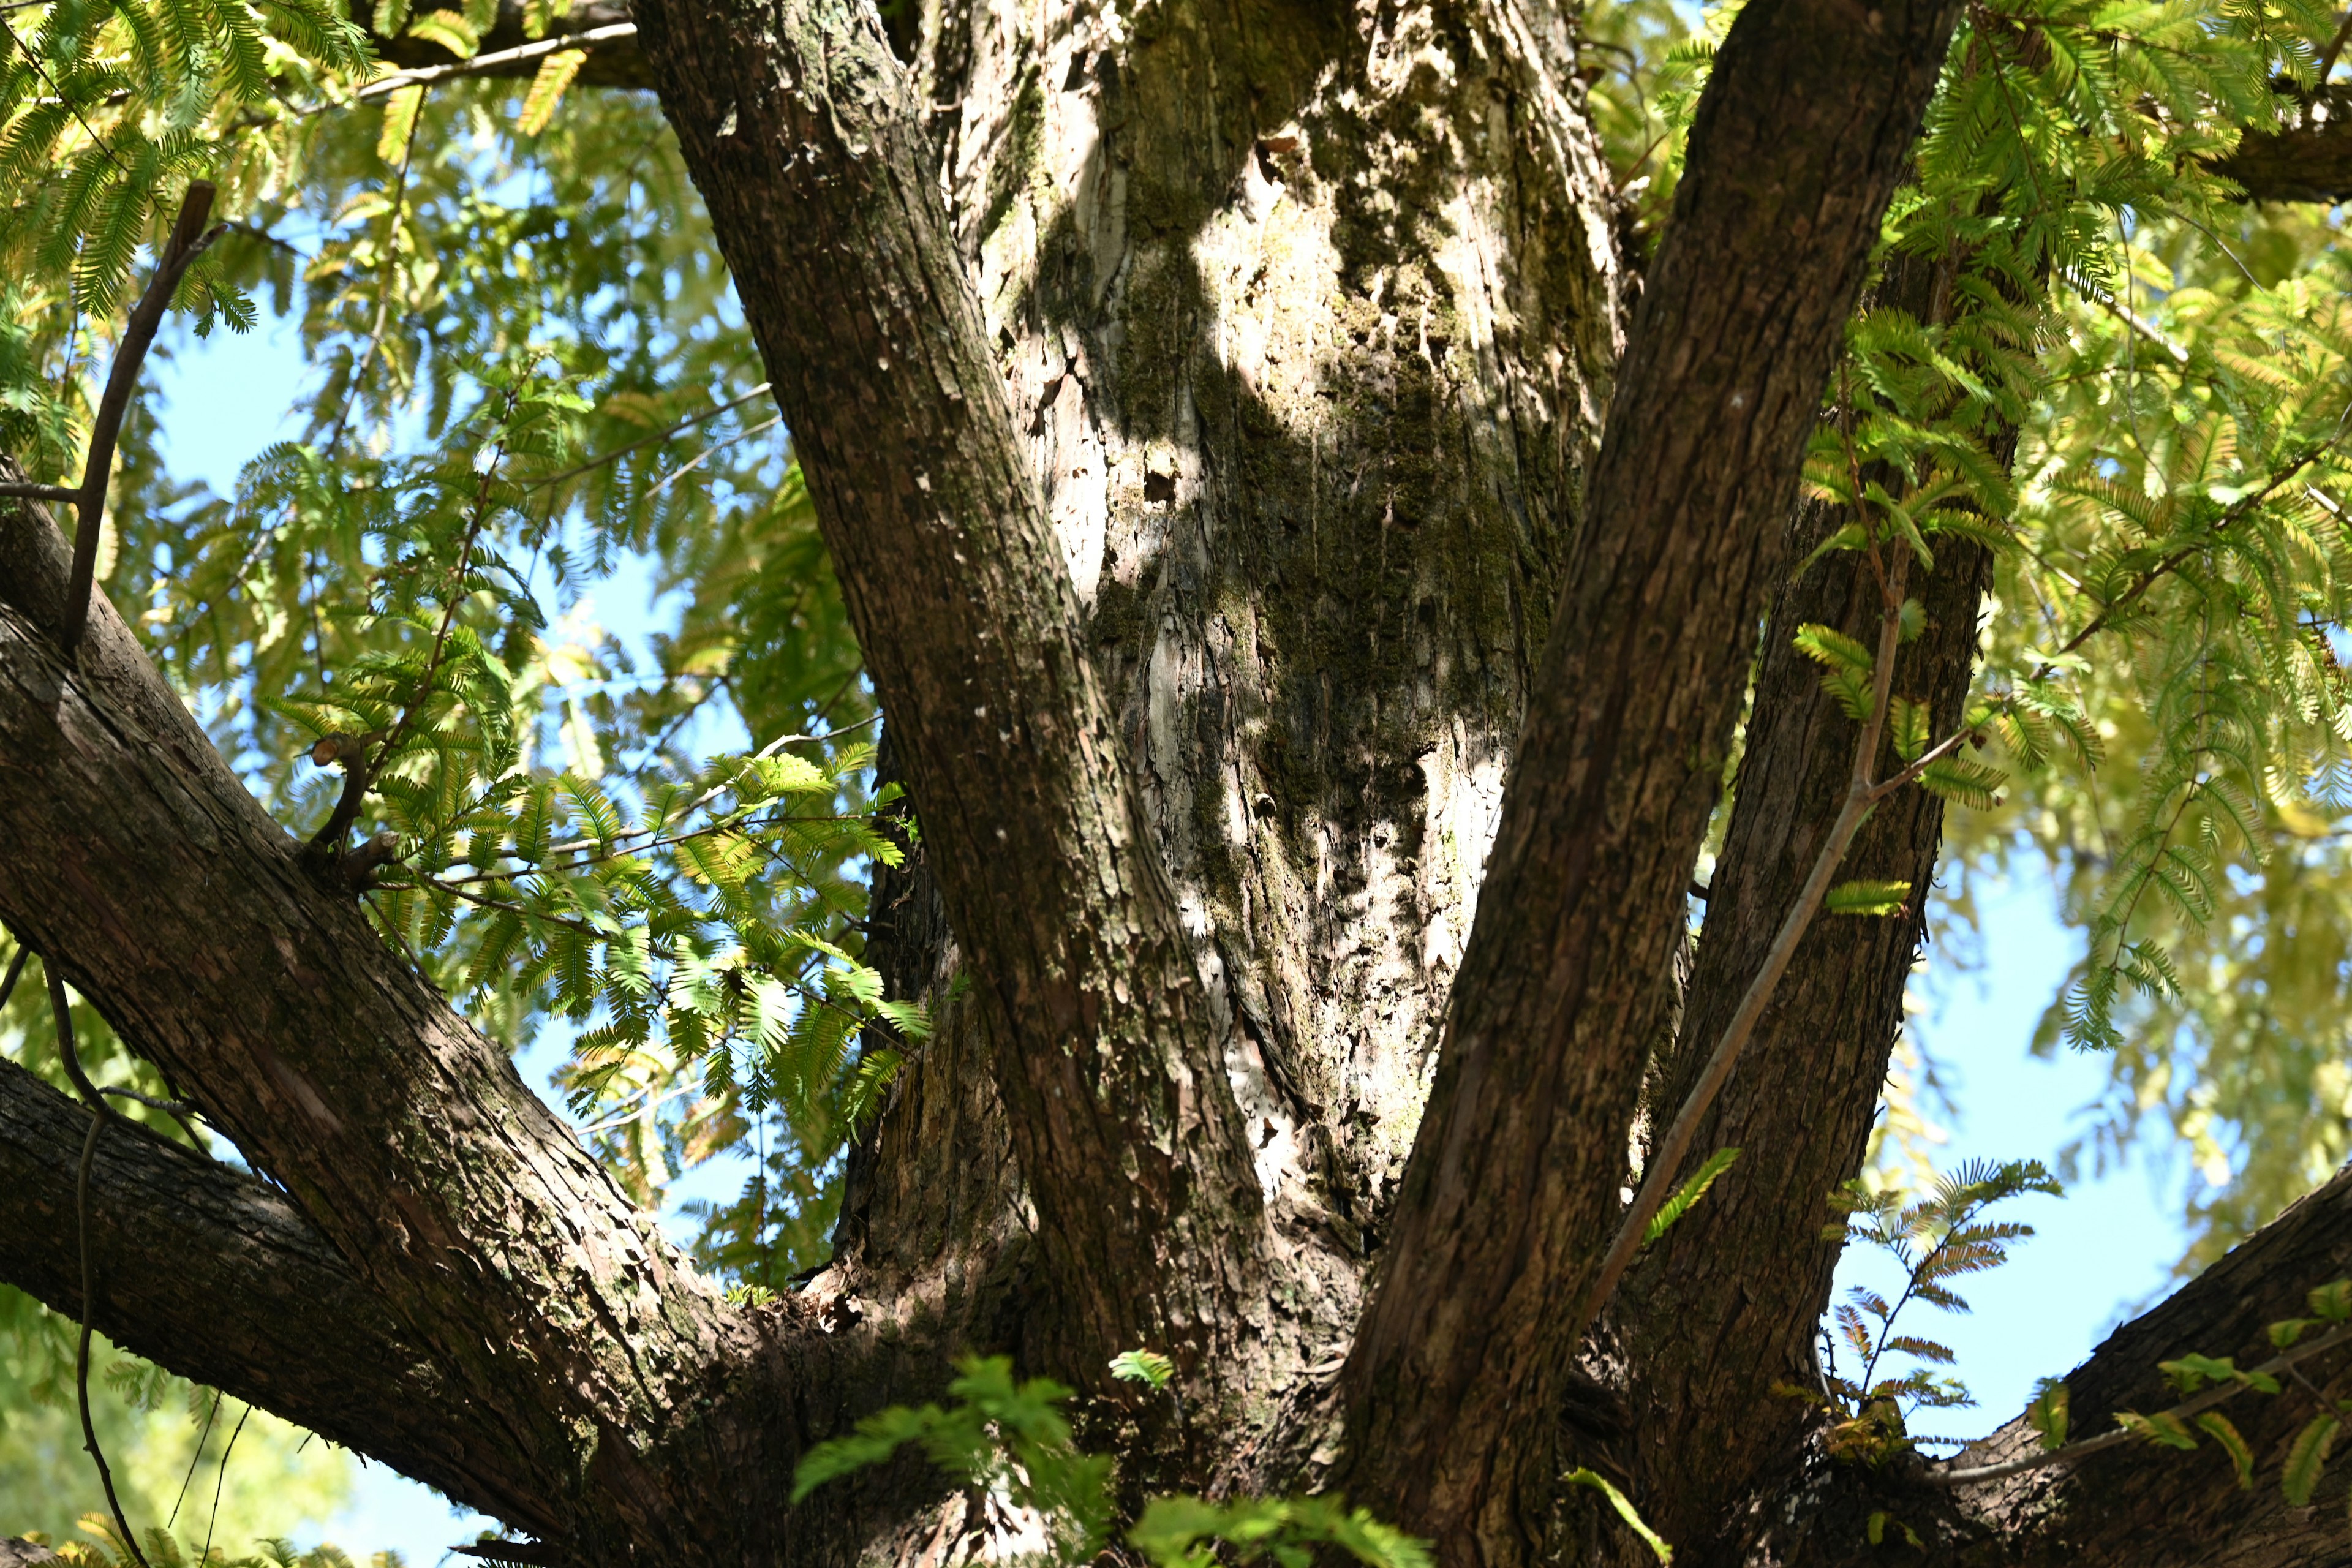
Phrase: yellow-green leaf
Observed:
(2241, 1455)
(1580, 1476)
(2163, 1429)
(555, 74)
(1867, 897)
(399, 126)
(450, 30)
(2306, 1457)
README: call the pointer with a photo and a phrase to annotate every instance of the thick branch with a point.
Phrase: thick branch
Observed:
(2137, 1505)
(1512, 1189)
(207, 1271)
(140, 864)
(808, 142)
(1727, 1306)
(2310, 161)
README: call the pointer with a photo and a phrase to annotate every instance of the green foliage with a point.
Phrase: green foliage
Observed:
(105, 1549)
(1870, 898)
(1009, 1441)
(1689, 1194)
(1186, 1532)
(1148, 1367)
(1935, 1240)
(1624, 1508)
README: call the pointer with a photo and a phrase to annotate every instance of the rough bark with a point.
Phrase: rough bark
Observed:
(1512, 1191)
(1727, 1305)
(211, 1273)
(1308, 465)
(138, 865)
(810, 146)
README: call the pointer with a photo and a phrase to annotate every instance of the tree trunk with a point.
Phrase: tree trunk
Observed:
(1204, 406)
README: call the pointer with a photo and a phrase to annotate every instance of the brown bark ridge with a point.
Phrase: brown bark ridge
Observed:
(213, 1274)
(1512, 1191)
(1727, 1305)
(810, 146)
(588, 1359)
(1304, 467)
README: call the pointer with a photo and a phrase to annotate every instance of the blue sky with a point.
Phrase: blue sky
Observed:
(2104, 1250)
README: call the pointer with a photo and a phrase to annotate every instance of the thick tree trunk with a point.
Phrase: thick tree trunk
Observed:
(1203, 405)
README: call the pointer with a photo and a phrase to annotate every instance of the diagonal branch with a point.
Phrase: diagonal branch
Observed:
(548, 1304)
(1111, 1068)
(214, 1275)
(1511, 1196)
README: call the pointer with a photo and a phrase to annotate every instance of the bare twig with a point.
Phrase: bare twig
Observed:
(2193, 1405)
(702, 457)
(189, 238)
(98, 1113)
(1665, 1159)
(38, 493)
(385, 85)
(688, 423)
(2335, 49)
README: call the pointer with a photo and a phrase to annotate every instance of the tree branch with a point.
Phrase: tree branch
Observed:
(174, 904)
(212, 1274)
(1112, 1071)
(1511, 1193)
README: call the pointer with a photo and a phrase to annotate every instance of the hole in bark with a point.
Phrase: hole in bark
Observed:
(1159, 489)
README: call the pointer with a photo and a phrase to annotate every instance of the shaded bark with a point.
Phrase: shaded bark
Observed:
(211, 1273)
(1511, 1195)
(1727, 1306)
(140, 868)
(810, 149)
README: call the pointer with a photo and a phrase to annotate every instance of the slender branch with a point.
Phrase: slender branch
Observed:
(2172, 563)
(99, 1112)
(2335, 49)
(1665, 1159)
(386, 85)
(683, 426)
(38, 493)
(704, 456)
(189, 238)
(2122, 1434)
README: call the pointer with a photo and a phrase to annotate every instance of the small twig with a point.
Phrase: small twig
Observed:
(702, 457)
(385, 85)
(221, 1480)
(2327, 60)
(1665, 1159)
(99, 1112)
(189, 238)
(16, 968)
(197, 1458)
(679, 428)
(2121, 1435)
(38, 493)
(169, 1107)
(2170, 563)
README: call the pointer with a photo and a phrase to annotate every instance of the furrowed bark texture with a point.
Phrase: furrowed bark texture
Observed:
(808, 144)
(1308, 462)
(210, 1272)
(138, 864)
(1728, 1304)
(1512, 1191)
(1726, 1307)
